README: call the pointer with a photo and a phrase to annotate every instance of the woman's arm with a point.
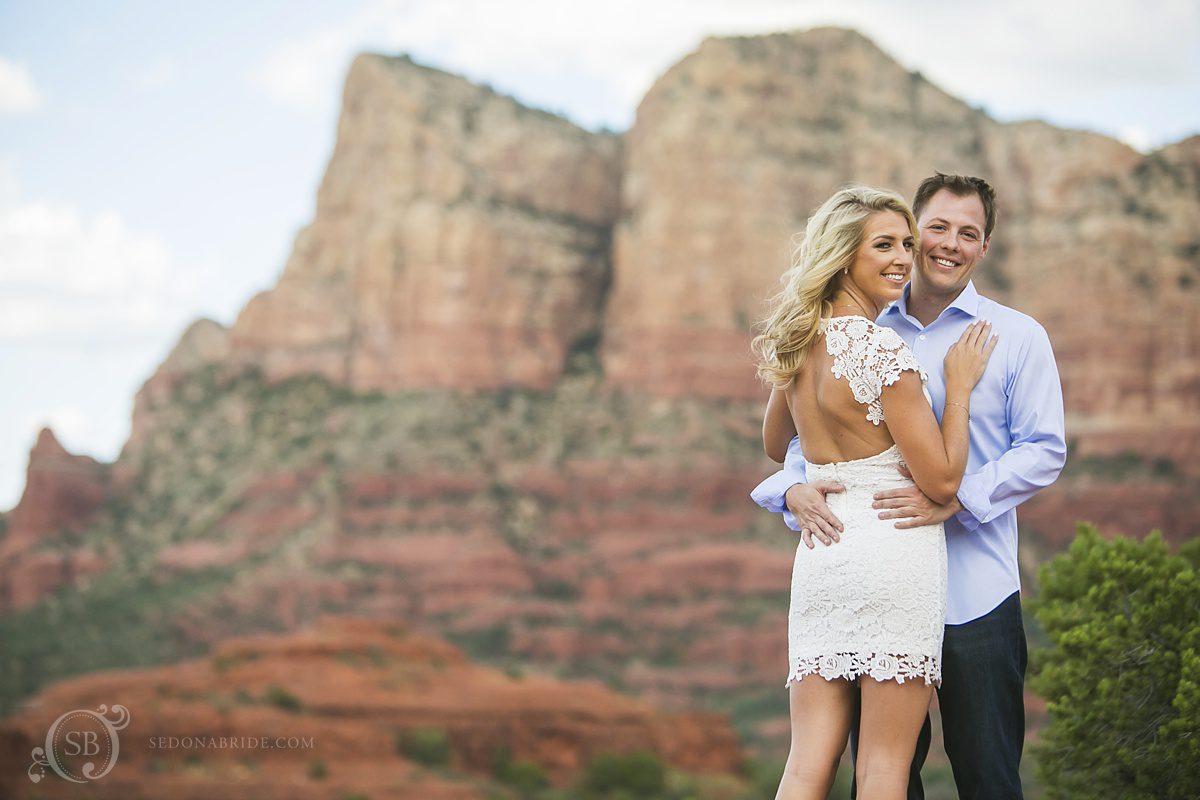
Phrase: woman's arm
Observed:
(778, 427)
(937, 457)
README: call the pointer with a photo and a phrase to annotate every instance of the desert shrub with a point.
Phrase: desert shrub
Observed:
(1122, 674)
(281, 698)
(428, 746)
(610, 776)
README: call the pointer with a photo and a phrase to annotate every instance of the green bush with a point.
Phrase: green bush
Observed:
(1122, 674)
(525, 777)
(610, 776)
(317, 770)
(428, 746)
(281, 698)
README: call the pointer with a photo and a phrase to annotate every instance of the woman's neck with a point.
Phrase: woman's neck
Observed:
(848, 300)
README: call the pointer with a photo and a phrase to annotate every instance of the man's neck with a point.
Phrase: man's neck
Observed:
(926, 306)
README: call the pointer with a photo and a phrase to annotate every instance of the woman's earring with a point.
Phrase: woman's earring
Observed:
(845, 270)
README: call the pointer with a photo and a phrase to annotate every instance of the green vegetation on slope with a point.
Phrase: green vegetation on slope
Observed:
(1122, 675)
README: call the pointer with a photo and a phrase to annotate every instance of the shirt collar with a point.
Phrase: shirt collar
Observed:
(966, 302)
(899, 307)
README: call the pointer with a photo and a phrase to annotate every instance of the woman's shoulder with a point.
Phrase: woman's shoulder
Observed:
(857, 328)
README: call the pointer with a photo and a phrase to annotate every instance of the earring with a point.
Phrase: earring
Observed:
(845, 270)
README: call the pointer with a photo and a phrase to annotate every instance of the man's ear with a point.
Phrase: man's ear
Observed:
(984, 249)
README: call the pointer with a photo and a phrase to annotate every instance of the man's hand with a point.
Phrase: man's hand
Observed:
(912, 507)
(807, 502)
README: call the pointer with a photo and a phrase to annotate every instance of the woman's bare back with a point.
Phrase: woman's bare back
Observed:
(831, 423)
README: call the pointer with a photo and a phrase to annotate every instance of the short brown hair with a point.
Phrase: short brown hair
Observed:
(961, 185)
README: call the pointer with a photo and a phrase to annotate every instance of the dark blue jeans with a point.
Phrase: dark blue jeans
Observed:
(982, 700)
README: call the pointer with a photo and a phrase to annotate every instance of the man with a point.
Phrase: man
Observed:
(1017, 448)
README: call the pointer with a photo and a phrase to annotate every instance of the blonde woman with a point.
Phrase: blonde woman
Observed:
(868, 610)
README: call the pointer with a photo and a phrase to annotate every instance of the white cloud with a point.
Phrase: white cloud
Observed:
(1136, 137)
(303, 74)
(92, 282)
(69, 423)
(1023, 56)
(596, 61)
(9, 190)
(18, 95)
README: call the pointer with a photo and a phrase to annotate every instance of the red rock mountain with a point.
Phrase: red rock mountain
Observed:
(463, 241)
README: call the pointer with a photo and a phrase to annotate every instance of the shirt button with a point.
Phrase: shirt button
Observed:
(921, 337)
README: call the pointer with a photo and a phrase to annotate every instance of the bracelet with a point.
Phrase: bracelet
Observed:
(960, 405)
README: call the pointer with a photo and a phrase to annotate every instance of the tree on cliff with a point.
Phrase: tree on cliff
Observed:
(1122, 675)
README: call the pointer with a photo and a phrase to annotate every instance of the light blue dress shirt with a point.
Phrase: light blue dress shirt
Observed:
(1018, 446)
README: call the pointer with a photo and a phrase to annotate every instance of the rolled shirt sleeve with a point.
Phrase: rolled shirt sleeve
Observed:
(1034, 409)
(771, 494)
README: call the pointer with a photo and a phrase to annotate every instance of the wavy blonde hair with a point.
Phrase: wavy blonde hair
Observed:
(831, 239)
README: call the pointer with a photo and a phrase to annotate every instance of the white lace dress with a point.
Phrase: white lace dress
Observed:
(873, 603)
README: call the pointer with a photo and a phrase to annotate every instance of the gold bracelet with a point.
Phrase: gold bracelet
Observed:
(960, 405)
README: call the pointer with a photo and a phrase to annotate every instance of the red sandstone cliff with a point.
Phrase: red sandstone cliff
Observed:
(41, 549)
(460, 240)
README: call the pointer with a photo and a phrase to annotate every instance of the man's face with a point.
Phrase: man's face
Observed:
(952, 242)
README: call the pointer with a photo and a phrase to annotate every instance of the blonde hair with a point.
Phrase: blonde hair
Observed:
(831, 239)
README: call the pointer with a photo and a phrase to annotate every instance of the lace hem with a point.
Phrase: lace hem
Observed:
(881, 667)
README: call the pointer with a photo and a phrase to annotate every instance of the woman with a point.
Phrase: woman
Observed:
(872, 605)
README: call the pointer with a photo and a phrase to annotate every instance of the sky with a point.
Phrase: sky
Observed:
(157, 159)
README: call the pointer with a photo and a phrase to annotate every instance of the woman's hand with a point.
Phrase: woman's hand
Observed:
(967, 359)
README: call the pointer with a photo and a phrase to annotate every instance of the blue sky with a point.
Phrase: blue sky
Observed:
(157, 159)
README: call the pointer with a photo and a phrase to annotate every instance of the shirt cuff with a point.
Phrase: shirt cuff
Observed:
(771, 494)
(975, 506)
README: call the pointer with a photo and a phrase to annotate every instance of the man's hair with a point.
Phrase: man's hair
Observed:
(963, 186)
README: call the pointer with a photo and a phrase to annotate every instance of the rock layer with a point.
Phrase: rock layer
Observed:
(356, 691)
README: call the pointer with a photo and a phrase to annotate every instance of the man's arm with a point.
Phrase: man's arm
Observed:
(802, 504)
(771, 494)
(1039, 446)
(1033, 461)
